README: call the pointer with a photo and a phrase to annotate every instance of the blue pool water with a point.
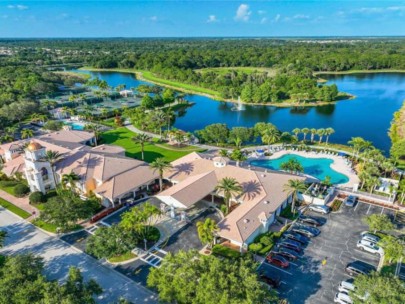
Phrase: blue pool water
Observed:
(317, 167)
(76, 126)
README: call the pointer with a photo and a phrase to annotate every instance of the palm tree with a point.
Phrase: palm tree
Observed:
(387, 166)
(96, 129)
(3, 235)
(238, 156)
(238, 142)
(270, 136)
(305, 131)
(320, 133)
(142, 139)
(229, 187)
(223, 153)
(313, 132)
(169, 116)
(329, 132)
(206, 231)
(160, 118)
(296, 131)
(70, 179)
(293, 187)
(160, 165)
(52, 157)
(358, 145)
(26, 133)
(11, 131)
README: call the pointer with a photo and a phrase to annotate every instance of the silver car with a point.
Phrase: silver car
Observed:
(319, 208)
(367, 236)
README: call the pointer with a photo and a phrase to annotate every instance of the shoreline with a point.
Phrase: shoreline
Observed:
(357, 72)
(140, 76)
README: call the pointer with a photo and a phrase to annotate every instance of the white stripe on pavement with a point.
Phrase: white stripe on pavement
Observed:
(368, 210)
(278, 268)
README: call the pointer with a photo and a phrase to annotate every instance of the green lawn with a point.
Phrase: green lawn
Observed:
(13, 208)
(51, 227)
(122, 137)
(247, 70)
(122, 258)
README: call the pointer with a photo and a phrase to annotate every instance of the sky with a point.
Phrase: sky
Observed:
(192, 18)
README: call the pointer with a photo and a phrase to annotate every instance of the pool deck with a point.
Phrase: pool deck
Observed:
(339, 164)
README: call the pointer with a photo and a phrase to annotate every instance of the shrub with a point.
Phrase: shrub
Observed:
(225, 251)
(8, 183)
(265, 249)
(255, 247)
(20, 190)
(37, 197)
(266, 240)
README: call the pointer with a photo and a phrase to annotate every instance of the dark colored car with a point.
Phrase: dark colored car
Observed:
(296, 237)
(274, 282)
(278, 260)
(290, 246)
(306, 231)
(292, 242)
(355, 268)
(308, 220)
(350, 201)
(287, 253)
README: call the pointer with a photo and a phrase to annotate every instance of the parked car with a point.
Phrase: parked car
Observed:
(290, 246)
(350, 201)
(319, 208)
(347, 286)
(296, 237)
(287, 253)
(342, 298)
(292, 242)
(367, 236)
(306, 231)
(371, 247)
(277, 260)
(309, 220)
(274, 282)
(355, 268)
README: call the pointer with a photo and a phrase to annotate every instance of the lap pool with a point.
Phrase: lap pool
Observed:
(316, 167)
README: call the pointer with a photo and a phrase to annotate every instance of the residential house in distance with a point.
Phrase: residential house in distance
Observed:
(103, 170)
(195, 178)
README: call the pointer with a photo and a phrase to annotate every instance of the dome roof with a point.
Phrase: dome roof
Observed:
(34, 146)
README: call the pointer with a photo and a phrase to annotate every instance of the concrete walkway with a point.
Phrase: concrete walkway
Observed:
(20, 202)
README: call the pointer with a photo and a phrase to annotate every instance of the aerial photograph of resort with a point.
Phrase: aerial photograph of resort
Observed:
(202, 152)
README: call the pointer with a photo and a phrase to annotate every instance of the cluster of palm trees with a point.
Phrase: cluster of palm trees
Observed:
(312, 132)
(292, 165)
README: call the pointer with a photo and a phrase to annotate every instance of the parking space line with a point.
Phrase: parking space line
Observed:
(278, 268)
(382, 210)
(368, 210)
(355, 208)
(282, 282)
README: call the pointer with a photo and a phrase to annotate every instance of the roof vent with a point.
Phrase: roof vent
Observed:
(246, 221)
(263, 175)
(266, 202)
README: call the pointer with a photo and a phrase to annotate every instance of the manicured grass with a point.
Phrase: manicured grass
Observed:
(13, 208)
(8, 189)
(51, 227)
(123, 137)
(122, 258)
(247, 70)
(225, 252)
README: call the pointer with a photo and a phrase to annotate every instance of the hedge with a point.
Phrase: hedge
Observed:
(225, 251)
(13, 208)
(21, 190)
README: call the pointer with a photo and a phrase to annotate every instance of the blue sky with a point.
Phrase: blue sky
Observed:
(201, 18)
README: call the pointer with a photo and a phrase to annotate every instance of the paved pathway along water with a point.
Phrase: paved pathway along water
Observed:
(23, 237)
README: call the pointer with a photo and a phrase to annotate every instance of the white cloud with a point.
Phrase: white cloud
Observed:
(261, 12)
(243, 13)
(379, 10)
(300, 16)
(277, 18)
(212, 19)
(153, 18)
(264, 20)
(18, 6)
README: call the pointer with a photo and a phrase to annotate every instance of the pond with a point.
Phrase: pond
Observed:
(369, 115)
(316, 167)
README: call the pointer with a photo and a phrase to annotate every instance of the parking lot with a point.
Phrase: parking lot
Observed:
(307, 280)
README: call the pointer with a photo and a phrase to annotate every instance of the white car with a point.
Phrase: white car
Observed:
(367, 236)
(342, 298)
(319, 208)
(371, 247)
(347, 286)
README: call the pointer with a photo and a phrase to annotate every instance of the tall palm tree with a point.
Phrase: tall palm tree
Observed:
(305, 131)
(313, 132)
(223, 153)
(238, 142)
(70, 179)
(26, 133)
(96, 129)
(169, 116)
(293, 187)
(160, 118)
(160, 165)
(359, 144)
(296, 131)
(142, 139)
(206, 231)
(52, 157)
(270, 136)
(328, 132)
(320, 133)
(228, 187)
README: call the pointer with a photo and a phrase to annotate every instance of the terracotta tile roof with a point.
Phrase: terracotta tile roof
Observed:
(110, 149)
(13, 166)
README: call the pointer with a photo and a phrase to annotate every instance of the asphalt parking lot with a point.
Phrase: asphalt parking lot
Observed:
(306, 280)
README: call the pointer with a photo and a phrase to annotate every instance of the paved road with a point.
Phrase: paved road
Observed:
(59, 256)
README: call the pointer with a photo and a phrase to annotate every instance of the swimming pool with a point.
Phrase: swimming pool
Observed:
(75, 126)
(317, 167)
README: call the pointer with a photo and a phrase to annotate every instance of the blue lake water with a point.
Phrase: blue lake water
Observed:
(369, 115)
(317, 167)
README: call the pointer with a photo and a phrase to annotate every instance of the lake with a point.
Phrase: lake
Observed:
(369, 115)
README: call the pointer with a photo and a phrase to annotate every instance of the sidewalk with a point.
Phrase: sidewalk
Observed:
(21, 202)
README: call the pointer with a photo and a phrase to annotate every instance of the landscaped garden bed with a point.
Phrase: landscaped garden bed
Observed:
(221, 250)
(264, 242)
(13, 208)
(122, 258)
(336, 205)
